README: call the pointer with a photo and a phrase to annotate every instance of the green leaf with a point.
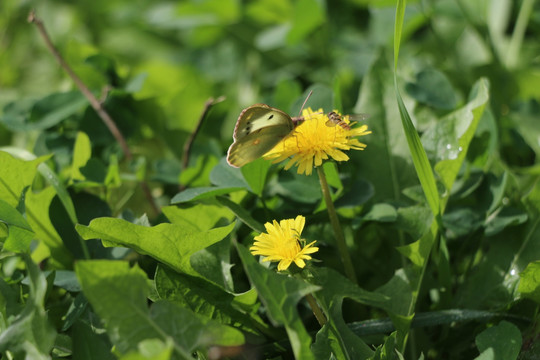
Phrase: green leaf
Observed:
(193, 194)
(385, 161)
(242, 214)
(500, 342)
(255, 175)
(118, 295)
(18, 240)
(452, 135)
(529, 284)
(386, 350)
(334, 289)
(198, 216)
(37, 206)
(280, 295)
(12, 217)
(16, 175)
(30, 332)
(45, 113)
(307, 16)
(432, 88)
(168, 243)
(152, 349)
(202, 297)
(82, 152)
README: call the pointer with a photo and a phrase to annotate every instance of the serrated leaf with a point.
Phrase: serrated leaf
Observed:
(118, 294)
(202, 297)
(169, 243)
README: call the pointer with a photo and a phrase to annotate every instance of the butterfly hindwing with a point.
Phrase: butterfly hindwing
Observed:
(256, 144)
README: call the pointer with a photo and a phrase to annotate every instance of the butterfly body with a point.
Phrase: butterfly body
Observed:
(258, 129)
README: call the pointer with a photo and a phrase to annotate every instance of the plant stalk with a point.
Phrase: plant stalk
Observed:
(338, 232)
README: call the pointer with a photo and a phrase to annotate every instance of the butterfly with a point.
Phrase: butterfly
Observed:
(336, 119)
(258, 129)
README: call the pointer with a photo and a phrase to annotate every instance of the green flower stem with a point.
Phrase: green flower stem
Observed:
(316, 310)
(340, 238)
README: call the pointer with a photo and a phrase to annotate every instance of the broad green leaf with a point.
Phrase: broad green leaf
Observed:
(402, 290)
(224, 175)
(18, 240)
(198, 216)
(15, 175)
(500, 342)
(44, 113)
(280, 295)
(301, 188)
(193, 194)
(307, 16)
(191, 331)
(169, 243)
(38, 205)
(12, 217)
(452, 135)
(432, 88)
(151, 349)
(255, 174)
(30, 332)
(118, 294)
(55, 108)
(385, 161)
(529, 284)
(203, 298)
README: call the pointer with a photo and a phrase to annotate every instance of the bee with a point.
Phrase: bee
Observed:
(336, 119)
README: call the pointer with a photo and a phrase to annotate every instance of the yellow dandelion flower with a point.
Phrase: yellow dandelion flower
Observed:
(282, 243)
(315, 140)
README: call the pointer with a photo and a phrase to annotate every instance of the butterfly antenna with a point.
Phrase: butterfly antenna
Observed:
(305, 101)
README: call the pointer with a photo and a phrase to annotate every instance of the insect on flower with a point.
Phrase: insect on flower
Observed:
(336, 119)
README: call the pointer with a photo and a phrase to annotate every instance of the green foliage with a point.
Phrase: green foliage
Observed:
(105, 254)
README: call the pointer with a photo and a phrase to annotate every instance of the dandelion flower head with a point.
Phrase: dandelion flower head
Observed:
(314, 140)
(282, 243)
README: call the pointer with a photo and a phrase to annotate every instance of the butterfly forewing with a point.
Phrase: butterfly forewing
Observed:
(260, 116)
(258, 129)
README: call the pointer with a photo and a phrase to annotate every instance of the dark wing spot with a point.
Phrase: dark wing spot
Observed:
(270, 117)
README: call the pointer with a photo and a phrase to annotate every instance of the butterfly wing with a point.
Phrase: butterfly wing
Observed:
(260, 116)
(251, 147)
